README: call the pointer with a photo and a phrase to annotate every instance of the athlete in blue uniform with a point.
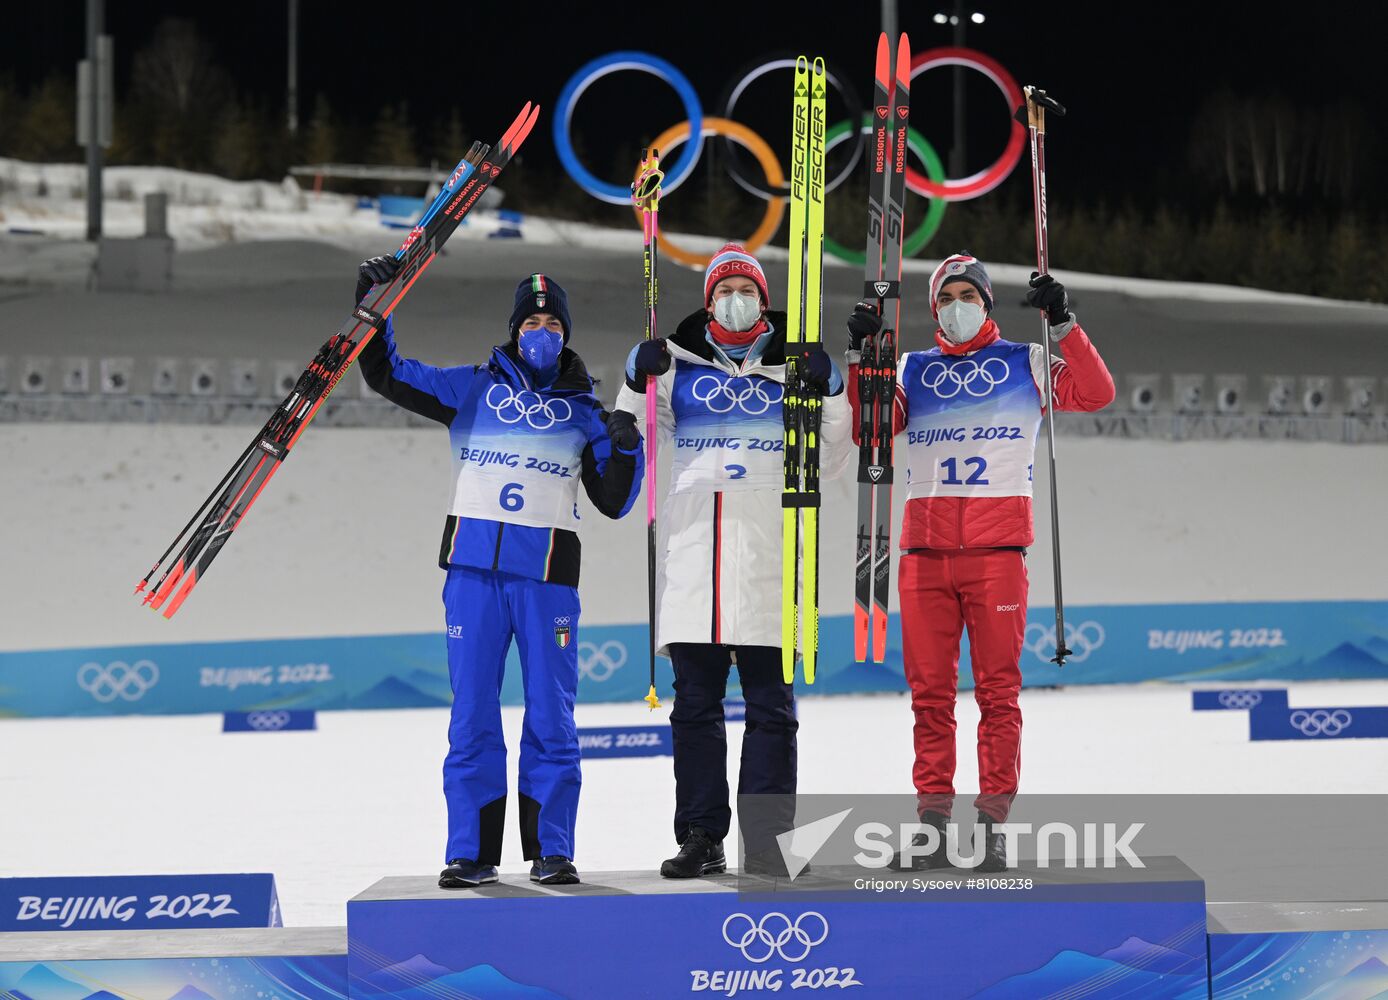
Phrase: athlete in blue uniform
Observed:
(525, 429)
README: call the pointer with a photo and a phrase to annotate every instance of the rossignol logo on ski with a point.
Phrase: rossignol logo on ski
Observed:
(874, 472)
(239, 489)
(881, 288)
(882, 110)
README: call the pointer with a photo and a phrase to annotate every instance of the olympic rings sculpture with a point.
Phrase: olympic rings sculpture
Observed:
(933, 185)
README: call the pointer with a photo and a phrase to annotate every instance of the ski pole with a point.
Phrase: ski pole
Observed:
(1037, 103)
(646, 193)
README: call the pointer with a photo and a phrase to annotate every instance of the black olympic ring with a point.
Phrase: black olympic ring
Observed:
(750, 72)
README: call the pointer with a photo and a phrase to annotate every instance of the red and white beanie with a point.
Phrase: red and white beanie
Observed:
(733, 260)
(962, 266)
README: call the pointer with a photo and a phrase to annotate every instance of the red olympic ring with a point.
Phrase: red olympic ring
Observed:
(965, 188)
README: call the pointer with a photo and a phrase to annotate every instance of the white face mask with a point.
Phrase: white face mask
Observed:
(737, 312)
(961, 321)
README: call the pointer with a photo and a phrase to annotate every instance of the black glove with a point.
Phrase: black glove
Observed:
(651, 359)
(817, 370)
(863, 322)
(621, 428)
(1048, 294)
(374, 271)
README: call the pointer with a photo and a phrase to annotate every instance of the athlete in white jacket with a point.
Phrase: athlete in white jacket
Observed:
(719, 601)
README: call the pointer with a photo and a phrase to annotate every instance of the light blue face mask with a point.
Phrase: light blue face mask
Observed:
(961, 321)
(737, 312)
(539, 349)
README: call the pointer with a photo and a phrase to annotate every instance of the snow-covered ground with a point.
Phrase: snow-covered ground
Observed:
(331, 811)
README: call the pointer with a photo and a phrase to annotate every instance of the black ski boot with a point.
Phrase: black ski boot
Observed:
(554, 870)
(464, 873)
(699, 855)
(925, 862)
(994, 846)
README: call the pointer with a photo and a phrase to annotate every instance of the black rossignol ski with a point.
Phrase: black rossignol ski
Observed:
(877, 367)
(225, 508)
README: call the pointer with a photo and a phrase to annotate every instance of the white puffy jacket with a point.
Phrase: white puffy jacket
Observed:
(719, 578)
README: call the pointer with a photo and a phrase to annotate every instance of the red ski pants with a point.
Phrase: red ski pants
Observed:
(943, 592)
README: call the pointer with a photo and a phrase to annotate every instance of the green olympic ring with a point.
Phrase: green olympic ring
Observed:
(934, 169)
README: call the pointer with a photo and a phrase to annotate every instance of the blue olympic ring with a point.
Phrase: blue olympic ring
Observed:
(676, 174)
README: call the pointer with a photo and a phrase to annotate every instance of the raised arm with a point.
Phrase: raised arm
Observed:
(424, 389)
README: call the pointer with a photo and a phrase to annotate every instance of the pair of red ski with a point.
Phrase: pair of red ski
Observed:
(225, 508)
(891, 113)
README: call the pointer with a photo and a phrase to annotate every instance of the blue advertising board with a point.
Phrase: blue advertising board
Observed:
(597, 742)
(138, 902)
(1120, 644)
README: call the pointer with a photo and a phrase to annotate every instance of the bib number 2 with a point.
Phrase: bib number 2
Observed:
(976, 478)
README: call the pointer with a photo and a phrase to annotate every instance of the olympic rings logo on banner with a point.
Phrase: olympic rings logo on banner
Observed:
(129, 682)
(1239, 700)
(598, 663)
(752, 396)
(1082, 640)
(267, 722)
(1320, 722)
(773, 188)
(775, 934)
(511, 407)
(978, 380)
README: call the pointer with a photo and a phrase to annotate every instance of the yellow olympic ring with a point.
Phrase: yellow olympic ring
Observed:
(754, 144)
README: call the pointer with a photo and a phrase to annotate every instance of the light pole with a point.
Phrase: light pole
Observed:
(293, 97)
(958, 20)
(96, 15)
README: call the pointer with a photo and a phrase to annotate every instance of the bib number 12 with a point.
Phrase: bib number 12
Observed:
(976, 478)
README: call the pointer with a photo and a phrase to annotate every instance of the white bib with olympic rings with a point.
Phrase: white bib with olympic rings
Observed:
(728, 433)
(517, 455)
(972, 422)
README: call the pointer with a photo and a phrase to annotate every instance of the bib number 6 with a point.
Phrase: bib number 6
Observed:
(511, 498)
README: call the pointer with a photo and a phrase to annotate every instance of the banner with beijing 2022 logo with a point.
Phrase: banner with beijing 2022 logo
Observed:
(138, 902)
(1118, 644)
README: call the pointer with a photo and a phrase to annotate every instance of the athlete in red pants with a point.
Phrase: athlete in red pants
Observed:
(971, 408)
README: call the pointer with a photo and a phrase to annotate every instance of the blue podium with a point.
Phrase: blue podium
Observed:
(1140, 933)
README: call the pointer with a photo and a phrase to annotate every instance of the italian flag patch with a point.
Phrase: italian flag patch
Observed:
(561, 636)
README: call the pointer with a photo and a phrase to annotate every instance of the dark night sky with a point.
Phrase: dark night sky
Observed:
(1132, 74)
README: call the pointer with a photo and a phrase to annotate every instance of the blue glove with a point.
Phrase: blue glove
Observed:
(818, 371)
(651, 359)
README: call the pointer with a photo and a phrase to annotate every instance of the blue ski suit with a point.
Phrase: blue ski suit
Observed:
(511, 549)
